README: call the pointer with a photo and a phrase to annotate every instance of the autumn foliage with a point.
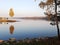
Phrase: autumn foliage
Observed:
(11, 12)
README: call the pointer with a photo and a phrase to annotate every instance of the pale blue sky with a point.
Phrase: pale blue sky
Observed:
(21, 8)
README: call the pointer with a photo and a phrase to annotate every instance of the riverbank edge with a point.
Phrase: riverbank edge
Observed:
(34, 41)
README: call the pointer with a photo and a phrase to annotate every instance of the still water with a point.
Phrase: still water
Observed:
(27, 29)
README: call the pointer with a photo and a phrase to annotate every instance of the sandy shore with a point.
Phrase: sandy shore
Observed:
(7, 20)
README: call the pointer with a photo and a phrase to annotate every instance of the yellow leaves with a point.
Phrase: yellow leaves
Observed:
(11, 29)
(11, 12)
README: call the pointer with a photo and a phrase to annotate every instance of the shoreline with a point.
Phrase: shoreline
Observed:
(6, 20)
(34, 41)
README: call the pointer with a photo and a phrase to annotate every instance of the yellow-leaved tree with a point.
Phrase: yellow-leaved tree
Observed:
(11, 12)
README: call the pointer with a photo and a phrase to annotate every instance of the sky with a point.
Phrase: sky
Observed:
(22, 8)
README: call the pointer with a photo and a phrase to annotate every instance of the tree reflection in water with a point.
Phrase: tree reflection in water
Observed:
(53, 23)
(11, 28)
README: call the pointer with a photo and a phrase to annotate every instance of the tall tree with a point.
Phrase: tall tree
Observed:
(49, 4)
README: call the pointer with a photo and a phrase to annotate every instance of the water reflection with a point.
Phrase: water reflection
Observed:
(58, 34)
(58, 30)
(3, 22)
(11, 28)
(27, 28)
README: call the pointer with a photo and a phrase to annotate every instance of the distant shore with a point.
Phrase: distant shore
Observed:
(29, 18)
(33, 18)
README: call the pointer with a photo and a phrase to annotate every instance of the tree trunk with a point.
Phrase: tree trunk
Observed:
(57, 19)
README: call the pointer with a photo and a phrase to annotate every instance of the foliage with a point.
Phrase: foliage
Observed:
(11, 12)
(49, 7)
(47, 3)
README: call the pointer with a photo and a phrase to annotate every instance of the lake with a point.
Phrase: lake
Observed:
(27, 29)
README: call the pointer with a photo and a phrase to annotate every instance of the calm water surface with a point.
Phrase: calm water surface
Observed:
(27, 29)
